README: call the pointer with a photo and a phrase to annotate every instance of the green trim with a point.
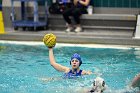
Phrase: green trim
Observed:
(111, 3)
(0, 2)
(116, 3)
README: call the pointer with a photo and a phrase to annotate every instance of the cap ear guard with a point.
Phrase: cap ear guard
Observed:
(80, 63)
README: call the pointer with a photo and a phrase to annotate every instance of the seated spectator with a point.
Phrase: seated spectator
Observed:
(78, 8)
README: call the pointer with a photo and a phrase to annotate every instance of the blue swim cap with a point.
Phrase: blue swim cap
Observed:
(77, 56)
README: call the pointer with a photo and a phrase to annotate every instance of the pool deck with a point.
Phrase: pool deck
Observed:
(72, 37)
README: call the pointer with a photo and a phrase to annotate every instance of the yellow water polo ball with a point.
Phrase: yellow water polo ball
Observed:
(49, 40)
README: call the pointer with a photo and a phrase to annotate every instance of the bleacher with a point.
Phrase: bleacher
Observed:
(100, 24)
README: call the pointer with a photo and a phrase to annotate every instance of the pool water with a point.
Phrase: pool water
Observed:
(26, 68)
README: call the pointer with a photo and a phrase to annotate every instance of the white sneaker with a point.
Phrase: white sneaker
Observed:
(78, 29)
(69, 29)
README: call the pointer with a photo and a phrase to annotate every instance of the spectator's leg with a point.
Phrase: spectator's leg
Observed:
(77, 12)
(76, 15)
(66, 15)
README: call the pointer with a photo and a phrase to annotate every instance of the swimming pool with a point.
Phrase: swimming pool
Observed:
(23, 67)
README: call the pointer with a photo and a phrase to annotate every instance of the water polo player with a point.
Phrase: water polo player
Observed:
(76, 61)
